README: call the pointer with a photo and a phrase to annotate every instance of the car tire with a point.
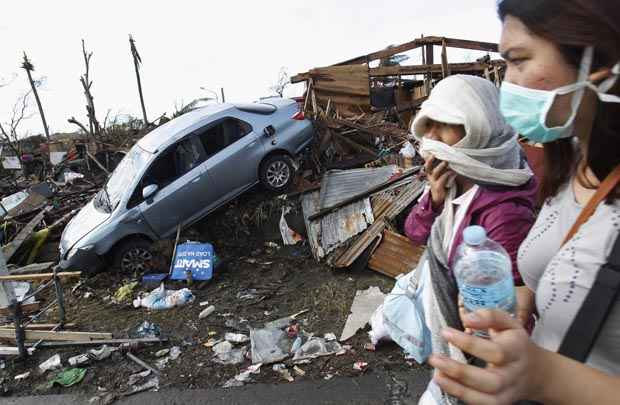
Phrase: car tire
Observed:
(133, 256)
(277, 173)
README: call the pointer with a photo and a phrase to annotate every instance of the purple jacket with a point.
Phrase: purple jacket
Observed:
(507, 214)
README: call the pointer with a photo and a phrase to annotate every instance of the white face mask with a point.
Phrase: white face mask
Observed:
(526, 110)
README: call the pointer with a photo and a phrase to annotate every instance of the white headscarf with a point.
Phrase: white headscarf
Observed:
(489, 154)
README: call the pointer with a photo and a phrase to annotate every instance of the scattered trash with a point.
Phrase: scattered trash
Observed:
(95, 354)
(296, 344)
(223, 347)
(360, 366)
(329, 337)
(269, 345)
(232, 357)
(370, 347)
(236, 338)
(206, 312)
(204, 303)
(52, 363)
(284, 322)
(328, 377)
(243, 377)
(2, 364)
(232, 383)
(293, 330)
(134, 378)
(88, 294)
(317, 347)
(125, 292)
(299, 371)
(162, 363)
(364, 304)
(289, 236)
(247, 294)
(22, 376)
(162, 352)
(153, 383)
(68, 377)
(146, 330)
(211, 342)
(282, 370)
(272, 245)
(153, 280)
(175, 352)
(160, 298)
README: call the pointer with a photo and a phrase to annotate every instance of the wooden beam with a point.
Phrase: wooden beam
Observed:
(26, 309)
(9, 249)
(445, 69)
(430, 56)
(44, 276)
(473, 45)
(384, 53)
(33, 268)
(103, 342)
(39, 326)
(423, 69)
(9, 333)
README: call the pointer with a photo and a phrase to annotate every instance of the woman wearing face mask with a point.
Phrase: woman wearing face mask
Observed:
(561, 90)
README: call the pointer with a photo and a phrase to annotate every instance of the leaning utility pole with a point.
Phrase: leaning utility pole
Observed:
(29, 67)
(136, 64)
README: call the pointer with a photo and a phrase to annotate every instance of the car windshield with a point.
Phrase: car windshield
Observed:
(127, 170)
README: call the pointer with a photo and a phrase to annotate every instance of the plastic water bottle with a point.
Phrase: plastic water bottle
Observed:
(483, 272)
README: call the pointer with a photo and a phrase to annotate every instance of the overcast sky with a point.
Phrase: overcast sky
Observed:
(238, 45)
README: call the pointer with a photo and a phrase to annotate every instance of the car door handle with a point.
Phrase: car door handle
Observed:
(196, 180)
(250, 145)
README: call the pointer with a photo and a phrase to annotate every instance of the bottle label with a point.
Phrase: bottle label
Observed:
(499, 295)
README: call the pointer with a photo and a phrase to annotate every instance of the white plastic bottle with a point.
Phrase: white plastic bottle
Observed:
(483, 273)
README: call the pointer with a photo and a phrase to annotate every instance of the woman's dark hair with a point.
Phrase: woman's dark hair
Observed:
(572, 25)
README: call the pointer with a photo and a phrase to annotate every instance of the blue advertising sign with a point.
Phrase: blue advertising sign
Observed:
(194, 257)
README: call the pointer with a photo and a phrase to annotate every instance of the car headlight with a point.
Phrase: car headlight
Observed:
(74, 250)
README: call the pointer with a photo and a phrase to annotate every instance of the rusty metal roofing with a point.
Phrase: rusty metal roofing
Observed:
(345, 223)
(338, 185)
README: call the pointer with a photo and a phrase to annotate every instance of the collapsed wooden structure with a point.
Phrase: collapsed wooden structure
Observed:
(358, 85)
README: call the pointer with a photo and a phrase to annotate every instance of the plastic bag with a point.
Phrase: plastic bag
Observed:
(403, 315)
(269, 345)
(379, 331)
(160, 298)
(316, 347)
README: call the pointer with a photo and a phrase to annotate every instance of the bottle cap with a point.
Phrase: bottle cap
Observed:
(474, 235)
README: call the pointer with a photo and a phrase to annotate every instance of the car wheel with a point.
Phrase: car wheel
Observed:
(134, 256)
(277, 173)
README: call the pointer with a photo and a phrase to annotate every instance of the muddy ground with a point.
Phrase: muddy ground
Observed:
(286, 278)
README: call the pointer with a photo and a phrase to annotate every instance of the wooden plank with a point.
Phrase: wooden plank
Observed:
(33, 268)
(384, 53)
(423, 69)
(445, 69)
(473, 45)
(103, 342)
(430, 56)
(395, 255)
(9, 249)
(26, 309)
(43, 276)
(9, 333)
(40, 326)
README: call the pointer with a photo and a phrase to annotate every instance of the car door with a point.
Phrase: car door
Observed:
(181, 179)
(233, 155)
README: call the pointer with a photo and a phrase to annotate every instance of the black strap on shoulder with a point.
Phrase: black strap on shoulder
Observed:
(586, 326)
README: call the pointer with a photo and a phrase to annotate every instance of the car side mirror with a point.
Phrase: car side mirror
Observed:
(149, 191)
(269, 131)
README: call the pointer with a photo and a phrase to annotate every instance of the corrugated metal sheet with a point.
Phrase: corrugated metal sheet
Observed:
(310, 206)
(345, 223)
(338, 185)
(395, 255)
(327, 233)
(406, 196)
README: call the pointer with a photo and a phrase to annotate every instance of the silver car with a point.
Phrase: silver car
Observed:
(180, 172)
